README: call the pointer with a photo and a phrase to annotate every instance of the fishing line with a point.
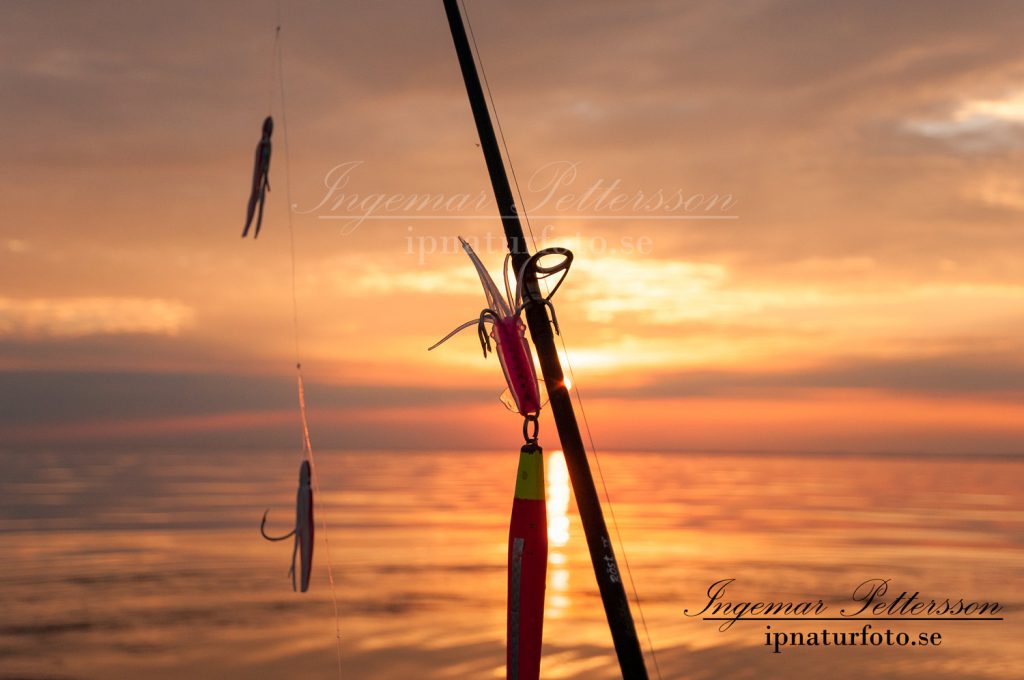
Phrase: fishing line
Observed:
(307, 446)
(565, 350)
(272, 86)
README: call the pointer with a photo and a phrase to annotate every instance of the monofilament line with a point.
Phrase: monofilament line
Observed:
(307, 446)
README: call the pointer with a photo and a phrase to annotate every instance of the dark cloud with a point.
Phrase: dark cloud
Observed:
(989, 376)
(52, 397)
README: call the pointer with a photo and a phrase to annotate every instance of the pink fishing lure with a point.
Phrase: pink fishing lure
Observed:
(509, 335)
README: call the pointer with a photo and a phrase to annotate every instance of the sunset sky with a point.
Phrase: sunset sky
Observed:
(861, 291)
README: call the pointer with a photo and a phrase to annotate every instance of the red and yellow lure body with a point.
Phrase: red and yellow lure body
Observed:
(527, 537)
(527, 567)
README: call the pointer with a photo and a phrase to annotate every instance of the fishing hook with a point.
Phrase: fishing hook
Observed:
(481, 330)
(272, 538)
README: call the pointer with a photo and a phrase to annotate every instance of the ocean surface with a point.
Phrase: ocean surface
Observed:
(150, 564)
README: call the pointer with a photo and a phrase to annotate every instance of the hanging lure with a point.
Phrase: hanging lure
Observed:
(527, 567)
(303, 531)
(260, 179)
(508, 331)
(527, 537)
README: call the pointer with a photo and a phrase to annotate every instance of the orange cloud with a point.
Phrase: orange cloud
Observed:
(77, 317)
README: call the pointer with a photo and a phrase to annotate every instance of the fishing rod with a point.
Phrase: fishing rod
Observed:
(609, 579)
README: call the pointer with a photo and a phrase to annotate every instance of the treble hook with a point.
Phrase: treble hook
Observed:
(272, 538)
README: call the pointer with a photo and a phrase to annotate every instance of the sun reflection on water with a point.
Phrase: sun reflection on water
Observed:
(558, 534)
(558, 500)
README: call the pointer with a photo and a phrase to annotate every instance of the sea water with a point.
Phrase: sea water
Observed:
(150, 564)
